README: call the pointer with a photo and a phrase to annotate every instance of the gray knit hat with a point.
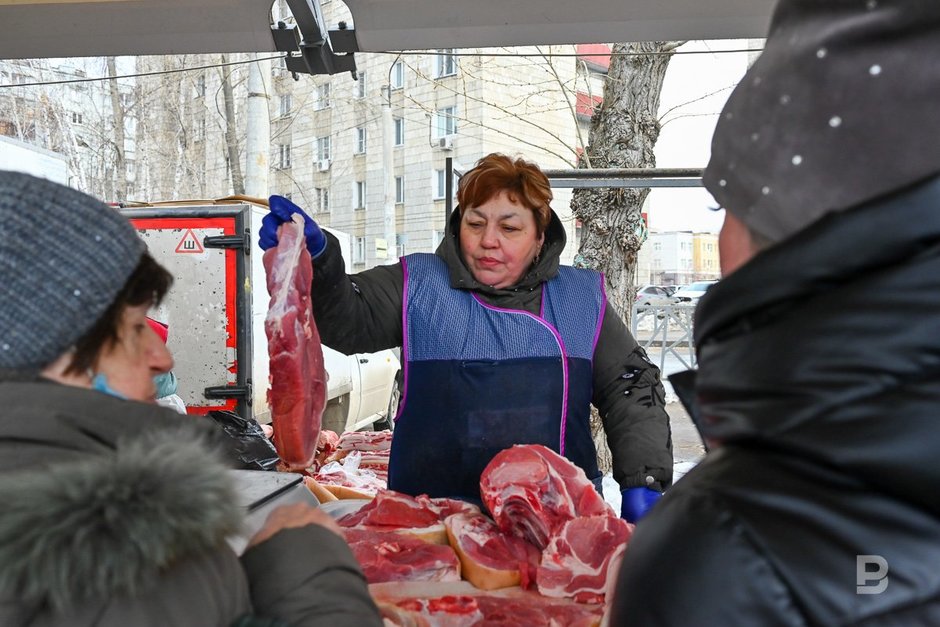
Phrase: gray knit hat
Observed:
(841, 108)
(64, 256)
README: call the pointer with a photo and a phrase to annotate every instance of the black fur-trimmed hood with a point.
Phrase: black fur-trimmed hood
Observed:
(110, 522)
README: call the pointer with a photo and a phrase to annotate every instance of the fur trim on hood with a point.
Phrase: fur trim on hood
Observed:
(110, 523)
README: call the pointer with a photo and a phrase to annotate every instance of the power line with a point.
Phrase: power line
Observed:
(399, 53)
(140, 74)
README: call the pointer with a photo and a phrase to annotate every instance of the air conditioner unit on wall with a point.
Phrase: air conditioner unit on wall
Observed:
(446, 143)
(323, 165)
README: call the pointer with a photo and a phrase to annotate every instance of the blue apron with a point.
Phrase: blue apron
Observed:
(479, 379)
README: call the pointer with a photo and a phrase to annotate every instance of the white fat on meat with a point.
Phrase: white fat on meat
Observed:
(532, 491)
(582, 557)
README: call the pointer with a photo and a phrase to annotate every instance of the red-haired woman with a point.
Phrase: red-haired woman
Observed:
(502, 345)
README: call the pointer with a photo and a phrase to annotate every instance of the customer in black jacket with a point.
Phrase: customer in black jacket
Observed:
(819, 353)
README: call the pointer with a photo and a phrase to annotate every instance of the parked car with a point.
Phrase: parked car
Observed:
(652, 295)
(363, 390)
(692, 292)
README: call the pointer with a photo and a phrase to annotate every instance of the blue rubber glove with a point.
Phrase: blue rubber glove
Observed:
(636, 502)
(280, 212)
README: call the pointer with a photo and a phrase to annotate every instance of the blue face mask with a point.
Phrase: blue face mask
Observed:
(100, 383)
(166, 384)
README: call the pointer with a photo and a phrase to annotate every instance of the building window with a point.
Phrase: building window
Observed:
(399, 131)
(323, 200)
(324, 152)
(284, 156)
(398, 74)
(361, 85)
(359, 250)
(360, 140)
(440, 184)
(445, 63)
(76, 117)
(399, 190)
(321, 97)
(285, 105)
(445, 122)
(199, 130)
(400, 241)
(436, 238)
(359, 195)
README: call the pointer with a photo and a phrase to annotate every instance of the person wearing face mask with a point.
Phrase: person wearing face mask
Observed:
(117, 511)
(166, 382)
(502, 345)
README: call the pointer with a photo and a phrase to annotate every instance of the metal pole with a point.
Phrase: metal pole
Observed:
(448, 189)
(258, 136)
(388, 181)
(625, 177)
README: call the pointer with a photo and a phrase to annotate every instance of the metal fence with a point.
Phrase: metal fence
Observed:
(667, 328)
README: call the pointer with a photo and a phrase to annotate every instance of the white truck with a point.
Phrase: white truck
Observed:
(23, 157)
(216, 311)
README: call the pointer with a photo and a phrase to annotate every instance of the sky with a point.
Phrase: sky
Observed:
(694, 91)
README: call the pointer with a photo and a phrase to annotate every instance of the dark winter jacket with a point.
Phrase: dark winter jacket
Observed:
(819, 374)
(363, 313)
(116, 513)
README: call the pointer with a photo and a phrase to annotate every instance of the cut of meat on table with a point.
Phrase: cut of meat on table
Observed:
(365, 441)
(298, 378)
(534, 611)
(533, 491)
(408, 604)
(489, 558)
(446, 611)
(349, 474)
(447, 507)
(582, 557)
(419, 516)
(393, 509)
(386, 557)
(326, 446)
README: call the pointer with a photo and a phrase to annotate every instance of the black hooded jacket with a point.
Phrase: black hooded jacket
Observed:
(819, 379)
(363, 313)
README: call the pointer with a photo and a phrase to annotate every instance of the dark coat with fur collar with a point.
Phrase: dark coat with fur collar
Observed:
(117, 513)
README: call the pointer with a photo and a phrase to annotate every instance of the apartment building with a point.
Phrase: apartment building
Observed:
(50, 105)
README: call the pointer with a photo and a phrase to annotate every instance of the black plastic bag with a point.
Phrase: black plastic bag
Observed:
(248, 447)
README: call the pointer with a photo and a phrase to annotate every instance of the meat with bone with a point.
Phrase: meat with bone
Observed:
(298, 377)
(489, 558)
(582, 557)
(385, 556)
(532, 491)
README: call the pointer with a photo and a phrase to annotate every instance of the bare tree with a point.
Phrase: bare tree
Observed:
(623, 133)
(117, 113)
(231, 127)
